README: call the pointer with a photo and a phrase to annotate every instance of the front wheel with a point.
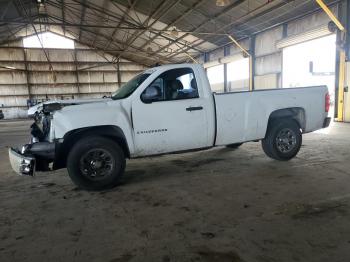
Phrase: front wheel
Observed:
(283, 139)
(96, 163)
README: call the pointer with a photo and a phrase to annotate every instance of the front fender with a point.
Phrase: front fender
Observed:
(113, 113)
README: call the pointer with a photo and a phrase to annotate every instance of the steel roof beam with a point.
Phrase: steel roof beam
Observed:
(105, 4)
(136, 34)
(63, 17)
(211, 19)
(239, 20)
(155, 57)
(83, 12)
(178, 19)
(95, 8)
(5, 10)
(30, 20)
(132, 5)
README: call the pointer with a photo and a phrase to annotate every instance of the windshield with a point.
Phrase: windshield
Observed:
(128, 88)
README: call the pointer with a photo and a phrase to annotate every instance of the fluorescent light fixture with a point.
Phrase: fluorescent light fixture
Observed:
(222, 2)
(10, 67)
(174, 32)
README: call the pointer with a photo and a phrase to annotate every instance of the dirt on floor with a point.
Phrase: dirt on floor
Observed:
(216, 205)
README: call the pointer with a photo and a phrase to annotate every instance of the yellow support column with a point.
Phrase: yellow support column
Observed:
(340, 117)
(342, 61)
(330, 14)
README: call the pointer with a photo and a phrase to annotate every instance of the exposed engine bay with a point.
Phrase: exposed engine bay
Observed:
(39, 154)
(40, 129)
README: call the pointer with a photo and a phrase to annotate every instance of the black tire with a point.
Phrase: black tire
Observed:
(283, 139)
(234, 146)
(96, 163)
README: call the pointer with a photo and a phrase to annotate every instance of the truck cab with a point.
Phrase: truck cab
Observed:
(173, 111)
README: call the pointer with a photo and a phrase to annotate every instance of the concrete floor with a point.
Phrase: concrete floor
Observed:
(217, 205)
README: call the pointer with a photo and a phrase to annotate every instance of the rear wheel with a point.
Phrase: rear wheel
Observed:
(283, 139)
(96, 163)
(234, 146)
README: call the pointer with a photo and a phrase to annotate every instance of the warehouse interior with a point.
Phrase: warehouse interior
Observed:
(217, 205)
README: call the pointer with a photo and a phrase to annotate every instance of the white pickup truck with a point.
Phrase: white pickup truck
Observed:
(164, 110)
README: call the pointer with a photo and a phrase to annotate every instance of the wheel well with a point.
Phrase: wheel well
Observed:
(112, 132)
(295, 113)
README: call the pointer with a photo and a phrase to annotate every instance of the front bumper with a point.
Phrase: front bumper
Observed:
(22, 165)
(326, 122)
(32, 157)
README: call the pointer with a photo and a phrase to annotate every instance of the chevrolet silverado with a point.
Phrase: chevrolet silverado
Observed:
(165, 109)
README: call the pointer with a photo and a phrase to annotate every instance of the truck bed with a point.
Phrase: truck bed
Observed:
(243, 116)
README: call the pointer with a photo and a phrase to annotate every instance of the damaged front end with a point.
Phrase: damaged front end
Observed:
(40, 152)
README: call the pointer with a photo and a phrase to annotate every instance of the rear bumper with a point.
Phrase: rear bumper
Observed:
(326, 122)
(22, 165)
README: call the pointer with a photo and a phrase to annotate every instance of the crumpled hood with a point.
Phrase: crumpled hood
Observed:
(68, 102)
(112, 112)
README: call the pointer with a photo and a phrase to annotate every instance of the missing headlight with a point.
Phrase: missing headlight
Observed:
(49, 108)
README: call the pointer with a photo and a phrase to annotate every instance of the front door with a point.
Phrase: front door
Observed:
(170, 116)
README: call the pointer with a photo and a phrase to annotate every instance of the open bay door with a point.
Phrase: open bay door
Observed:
(309, 59)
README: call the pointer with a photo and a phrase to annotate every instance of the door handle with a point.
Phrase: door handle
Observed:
(194, 108)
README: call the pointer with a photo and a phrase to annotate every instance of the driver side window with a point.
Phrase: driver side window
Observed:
(174, 84)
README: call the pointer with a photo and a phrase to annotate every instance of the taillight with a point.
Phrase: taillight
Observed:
(327, 102)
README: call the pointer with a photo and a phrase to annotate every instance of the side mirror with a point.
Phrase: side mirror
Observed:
(146, 99)
(150, 95)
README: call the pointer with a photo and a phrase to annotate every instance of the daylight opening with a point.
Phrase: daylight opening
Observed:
(216, 78)
(311, 63)
(48, 40)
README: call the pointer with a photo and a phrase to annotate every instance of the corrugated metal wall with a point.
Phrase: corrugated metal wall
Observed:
(268, 58)
(77, 73)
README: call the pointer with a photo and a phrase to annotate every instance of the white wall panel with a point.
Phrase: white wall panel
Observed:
(88, 96)
(126, 76)
(100, 77)
(217, 54)
(93, 88)
(52, 78)
(238, 85)
(65, 55)
(98, 67)
(55, 66)
(14, 112)
(131, 66)
(108, 87)
(265, 43)
(90, 56)
(13, 90)
(13, 101)
(308, 23)
(268, 64)
(13, 77)
(11, 54)
(96, 76)
(234, 49)
(42, 90)
(11, 65)
(269, 81)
